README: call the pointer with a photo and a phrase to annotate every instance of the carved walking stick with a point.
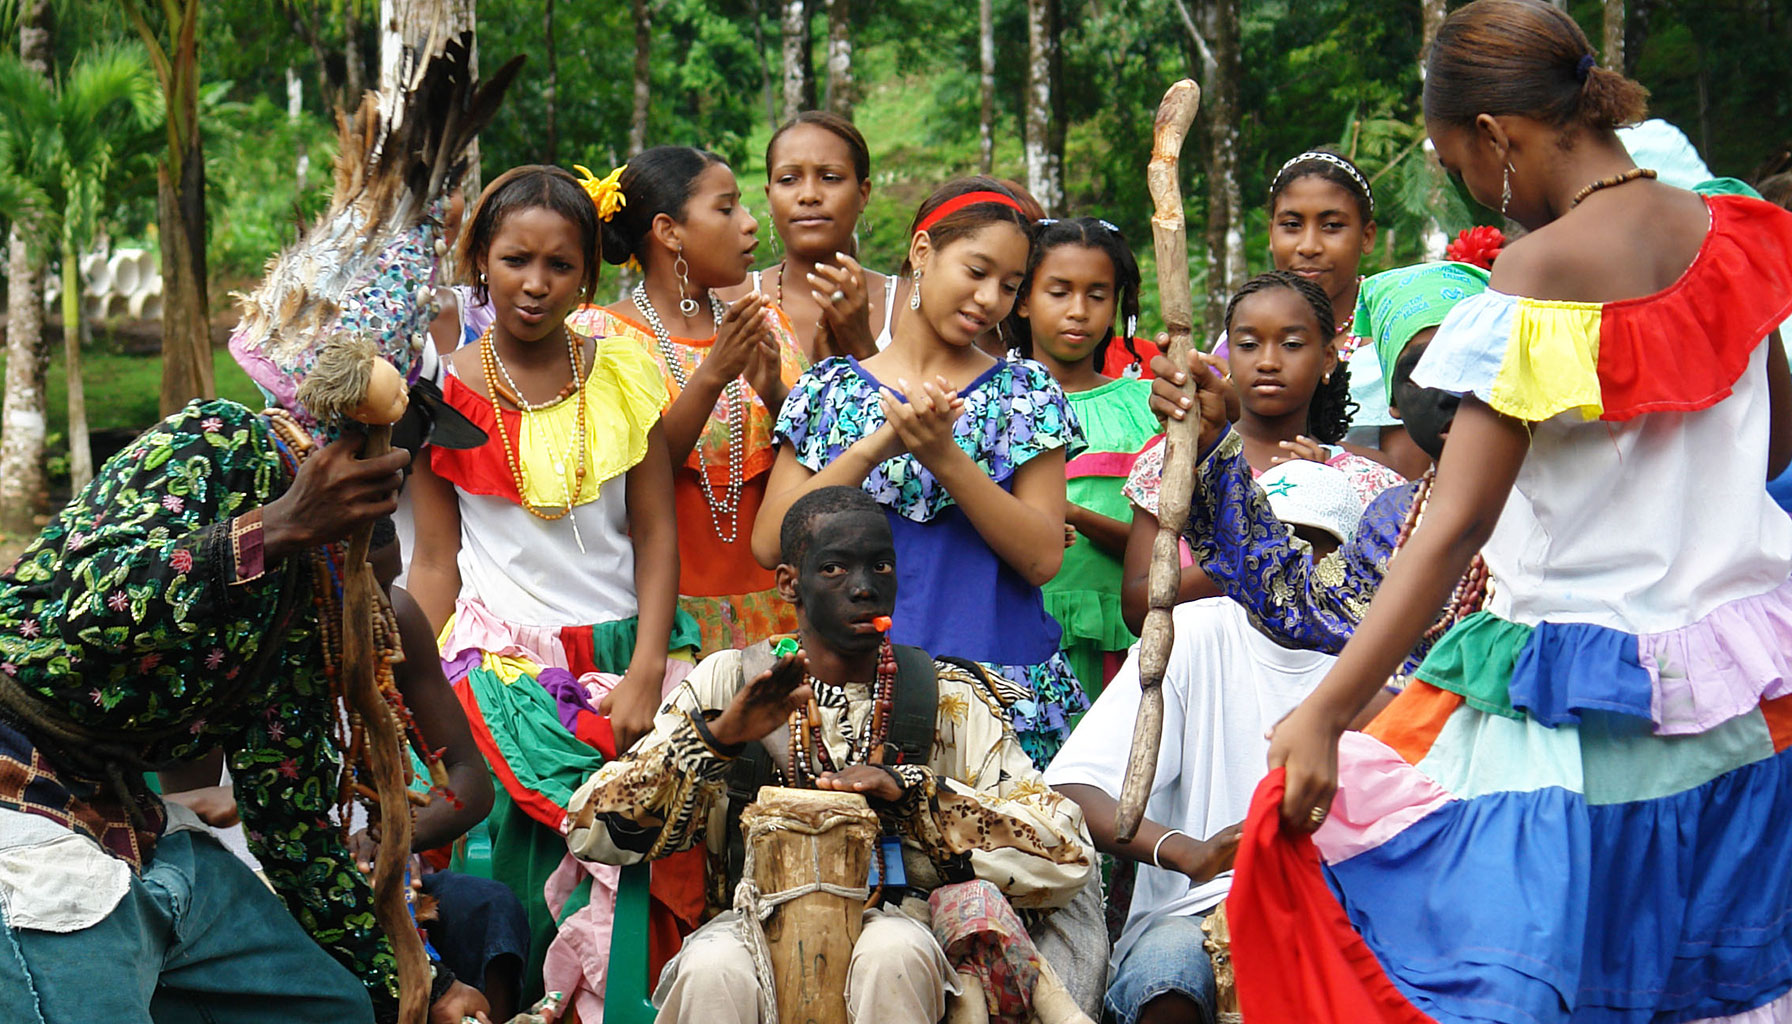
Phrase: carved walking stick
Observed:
(385, 751)
(1168, 232)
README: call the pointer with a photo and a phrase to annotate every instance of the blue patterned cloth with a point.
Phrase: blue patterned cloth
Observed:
(1013, 412)
(1251, 555)
(954, 594)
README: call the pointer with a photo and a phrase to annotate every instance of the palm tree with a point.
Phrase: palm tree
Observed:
(66, 145)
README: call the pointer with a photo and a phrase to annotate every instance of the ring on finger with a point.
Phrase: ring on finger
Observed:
(1317, 815)
(837, 295)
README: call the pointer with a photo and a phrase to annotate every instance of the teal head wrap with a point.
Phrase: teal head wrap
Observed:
(1394, 305)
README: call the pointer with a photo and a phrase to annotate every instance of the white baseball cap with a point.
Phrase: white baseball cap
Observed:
(1306, 493)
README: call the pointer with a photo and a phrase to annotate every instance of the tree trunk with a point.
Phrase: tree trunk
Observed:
(295, 106)
(986, 85)
(840, 57)
(1433, 238)
(180, 206)
(354, 76)
(637, 125)
(1045, 177)
(551, 127)
(408, 23)
(186, 318)
(798, 89)
(24, 416)
(1614, 35)
(1214, 51)
(766, 91)
(80, 450)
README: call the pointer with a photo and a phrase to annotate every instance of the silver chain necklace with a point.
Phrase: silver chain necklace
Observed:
(523, 404)
(734, 395)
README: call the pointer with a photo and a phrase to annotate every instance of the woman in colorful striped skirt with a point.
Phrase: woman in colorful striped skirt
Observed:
(1581, 808)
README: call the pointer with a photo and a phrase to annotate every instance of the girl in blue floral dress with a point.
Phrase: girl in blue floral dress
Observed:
(965, 452)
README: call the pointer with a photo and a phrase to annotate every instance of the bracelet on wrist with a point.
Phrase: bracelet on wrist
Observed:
(1160, 845)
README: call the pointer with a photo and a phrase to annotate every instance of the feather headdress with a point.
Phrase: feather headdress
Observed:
(365, 273)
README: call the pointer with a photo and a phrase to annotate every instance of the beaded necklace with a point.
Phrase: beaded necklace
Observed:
(494, 370)
(1475, 587)
(809, 756)
(1617, 179)
(348, 732)
(734, 395)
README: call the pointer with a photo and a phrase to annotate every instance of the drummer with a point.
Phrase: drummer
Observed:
(972, 792)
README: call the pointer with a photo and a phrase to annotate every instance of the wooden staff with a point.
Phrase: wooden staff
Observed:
(361, 657)
(1168, 232)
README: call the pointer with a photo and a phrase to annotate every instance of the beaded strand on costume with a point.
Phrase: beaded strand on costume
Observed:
(734, 394)
(809, 756)
(348, 732)
(1475, 587)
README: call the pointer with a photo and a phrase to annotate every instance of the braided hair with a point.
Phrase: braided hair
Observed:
(1090, 233)
(1330, 408)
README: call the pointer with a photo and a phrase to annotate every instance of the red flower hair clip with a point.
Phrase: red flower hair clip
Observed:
(1479, 245)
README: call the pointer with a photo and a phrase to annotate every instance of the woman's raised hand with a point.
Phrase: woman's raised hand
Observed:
(739, 337)
(1305, 743)
(1302, 447)
(845, 325)
(924, 423)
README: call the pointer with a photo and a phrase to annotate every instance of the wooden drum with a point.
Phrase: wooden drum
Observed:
(809, 854)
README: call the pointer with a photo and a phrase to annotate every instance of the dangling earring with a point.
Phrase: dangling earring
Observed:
(686, 304)
(914, 291)
(777, 244)
(1506, 190)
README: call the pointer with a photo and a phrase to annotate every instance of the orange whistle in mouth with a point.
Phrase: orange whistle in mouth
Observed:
(881, 623)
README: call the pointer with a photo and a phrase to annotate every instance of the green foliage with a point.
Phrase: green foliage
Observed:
(74, 146)
(254, 204)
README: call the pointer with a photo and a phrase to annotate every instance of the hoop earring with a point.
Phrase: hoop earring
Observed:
(914, 291)
(686, 304)
(1506, 190)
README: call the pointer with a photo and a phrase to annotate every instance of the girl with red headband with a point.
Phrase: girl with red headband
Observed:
(965, 452)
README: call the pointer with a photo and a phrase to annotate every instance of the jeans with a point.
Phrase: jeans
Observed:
(197, 939)
(477, 921)
(1168, 957)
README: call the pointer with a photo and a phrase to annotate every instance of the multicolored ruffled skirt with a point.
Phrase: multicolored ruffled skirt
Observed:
(1561, 822)
(531, 696)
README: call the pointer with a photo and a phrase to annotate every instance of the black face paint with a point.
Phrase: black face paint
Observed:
(1425, 412)
(848, 578)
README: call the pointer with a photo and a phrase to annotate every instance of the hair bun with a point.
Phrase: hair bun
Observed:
(618, 247)
(1609, 100)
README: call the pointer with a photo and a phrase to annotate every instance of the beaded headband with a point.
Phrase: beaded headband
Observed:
(957, 203)
(1046, 222)
(1335, 160)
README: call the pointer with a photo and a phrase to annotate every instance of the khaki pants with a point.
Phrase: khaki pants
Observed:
(898, 975)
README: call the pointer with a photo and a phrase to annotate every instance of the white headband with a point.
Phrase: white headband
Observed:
(1336, 161)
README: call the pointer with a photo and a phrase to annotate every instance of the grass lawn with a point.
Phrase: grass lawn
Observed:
(123, 389)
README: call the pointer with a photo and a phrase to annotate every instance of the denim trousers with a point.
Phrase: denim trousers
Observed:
(197, 939)
(1168, 957)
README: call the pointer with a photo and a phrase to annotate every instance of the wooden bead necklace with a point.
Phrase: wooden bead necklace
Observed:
(348, 733)
(494, 371)
(734, 395)
(1471, 592)
(809, 757)
(1634, 174)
